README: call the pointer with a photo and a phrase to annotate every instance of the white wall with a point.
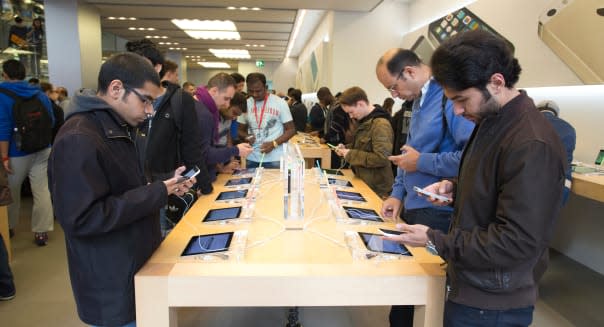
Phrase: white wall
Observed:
(359, 40)
(323, 32)
(282, 74)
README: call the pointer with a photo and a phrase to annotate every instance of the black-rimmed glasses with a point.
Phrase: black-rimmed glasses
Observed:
(393, 87)
(145, 99)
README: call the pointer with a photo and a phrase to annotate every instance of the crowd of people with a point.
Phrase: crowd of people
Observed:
(463, 132)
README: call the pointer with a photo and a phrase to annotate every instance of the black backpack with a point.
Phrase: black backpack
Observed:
(33, 123)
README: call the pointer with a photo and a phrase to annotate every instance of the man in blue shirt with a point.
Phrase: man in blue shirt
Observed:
(433, 149)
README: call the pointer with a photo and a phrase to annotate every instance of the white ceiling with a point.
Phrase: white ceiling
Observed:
(272, 26)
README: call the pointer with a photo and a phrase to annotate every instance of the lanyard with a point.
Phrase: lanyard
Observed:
(261, 113)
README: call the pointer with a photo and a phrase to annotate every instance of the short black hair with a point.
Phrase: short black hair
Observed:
(254, 78)
(168, 66)
(296, 94)
(18, 20)
(401, 59)
(186, 84)
(14, 69)
(147, 49)
(351, 96)
(132, 69)
(239, 100)
(470, 59)
(221, 81)
(238, 78)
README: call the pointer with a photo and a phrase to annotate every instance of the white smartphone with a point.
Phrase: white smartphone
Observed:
(188, 175)
(572, 28)
(390, 232)
(430, 194)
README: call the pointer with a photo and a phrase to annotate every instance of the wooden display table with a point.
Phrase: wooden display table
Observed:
(311, 148)
(309, 266)
(589, 186)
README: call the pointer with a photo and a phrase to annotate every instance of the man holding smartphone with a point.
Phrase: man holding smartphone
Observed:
(108, 210)
(509, 190)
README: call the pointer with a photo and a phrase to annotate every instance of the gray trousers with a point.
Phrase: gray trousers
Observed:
(35, 166)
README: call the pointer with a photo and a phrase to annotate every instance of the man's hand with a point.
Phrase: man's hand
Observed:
(413, 235)
(230, 167)
(341, 150)
(267, 147)
(444, 188)
(244, 149)
(407, 160)
(391, 207)
(173, 186)
(6, 164)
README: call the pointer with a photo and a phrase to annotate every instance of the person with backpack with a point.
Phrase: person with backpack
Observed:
(433, 149)
(26, 123)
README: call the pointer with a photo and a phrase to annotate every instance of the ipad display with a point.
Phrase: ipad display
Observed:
(246, 171)
(210, 243)
(333, 172)
(339, 182)
(222, 214)
(361, 213)
(231, 195)
(374, 242)
(239, 181)
(350, 196)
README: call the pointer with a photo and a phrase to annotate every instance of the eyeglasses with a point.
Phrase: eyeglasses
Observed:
(392, 88)
(145, 99)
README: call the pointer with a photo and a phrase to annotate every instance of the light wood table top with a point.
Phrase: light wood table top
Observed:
(589, 186)
(311, 148)
(309, 265)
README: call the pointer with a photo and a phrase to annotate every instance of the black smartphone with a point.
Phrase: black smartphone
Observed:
(222, 214)
(189, 174)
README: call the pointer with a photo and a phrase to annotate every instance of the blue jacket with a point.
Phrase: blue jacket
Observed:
(569, 139)
(440, 150)
(7, 123)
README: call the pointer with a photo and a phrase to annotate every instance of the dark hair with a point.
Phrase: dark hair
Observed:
(253, 78)
(239, 100)
(45, 87)
(471, 58)
(324, 95)
(132, 69)
(168, 66)
(18, 20)
(353, 95)
(296, 94)
(401, 59)
(387, 105)
(186, 84)
(238, 78)
(147, 49)
(34, 81)
(14, 69)
(62, 91)
(221, 81)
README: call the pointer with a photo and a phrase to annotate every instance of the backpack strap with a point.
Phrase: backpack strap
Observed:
(11, 94)
(445, 127)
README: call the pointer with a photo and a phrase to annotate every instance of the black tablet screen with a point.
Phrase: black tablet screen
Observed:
(360, 213)
(339, 182)
(208, 243)
(374, 242)
(222, 214)
(245, 171)
(238, 181)
(230, 195)
(351, 196)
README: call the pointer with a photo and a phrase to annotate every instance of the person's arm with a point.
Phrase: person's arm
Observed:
(98, 209)
(381, 144)
(446, 164)
(531, 179)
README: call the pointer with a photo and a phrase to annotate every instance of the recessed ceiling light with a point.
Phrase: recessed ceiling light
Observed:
(262, 45)
(231, 8)
(111, 18)
(132, 18)
(214, 64)
(231, 53)
(208, 29)
(243, 8)
(132, 28)
(122, 18)
(256, 8)
(255, 45)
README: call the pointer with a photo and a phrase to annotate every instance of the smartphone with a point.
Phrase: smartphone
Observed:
(573, 29)
(390, 232)
(457, 22)
(430, 194)
(188, 175)
(600, 157)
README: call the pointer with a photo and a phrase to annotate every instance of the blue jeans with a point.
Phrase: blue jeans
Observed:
(431, 217)
(459, 315)
(130, 324)
(267, 165)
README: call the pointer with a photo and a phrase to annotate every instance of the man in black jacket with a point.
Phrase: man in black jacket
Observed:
(509, 193)
(298, 109)
(108, 210)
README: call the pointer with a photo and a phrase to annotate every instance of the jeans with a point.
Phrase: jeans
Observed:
(402, 315)
(267, 165)
(7, 286)
(35, 166)
(459, 315)
(130, 324)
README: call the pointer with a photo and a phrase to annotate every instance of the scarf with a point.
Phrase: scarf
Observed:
(204, 96)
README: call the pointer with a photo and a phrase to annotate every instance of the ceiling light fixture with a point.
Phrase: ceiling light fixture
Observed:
(256, 8)
(295, 33)
(243, 8)
(208, 29)
(231, 8)
(214, 64)
(231, 53)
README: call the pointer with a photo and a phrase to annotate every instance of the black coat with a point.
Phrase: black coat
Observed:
(109, 214)
(299, 115)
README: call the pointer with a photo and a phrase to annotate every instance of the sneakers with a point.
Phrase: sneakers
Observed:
(7, 297)
(41, 238)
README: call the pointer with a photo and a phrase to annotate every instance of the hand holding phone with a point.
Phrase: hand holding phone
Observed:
(390, 232)
(432, 195)
(188, 175)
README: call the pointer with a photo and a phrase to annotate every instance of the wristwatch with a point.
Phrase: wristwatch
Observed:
(430, 247)
(275, 144)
